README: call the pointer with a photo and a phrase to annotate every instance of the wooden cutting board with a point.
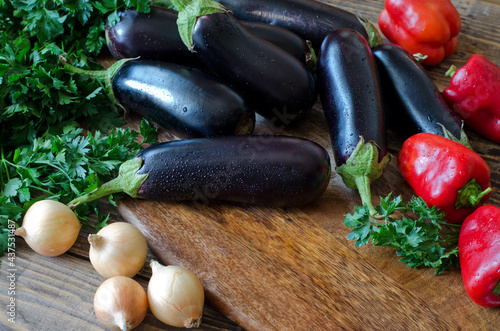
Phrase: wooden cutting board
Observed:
(294, 269)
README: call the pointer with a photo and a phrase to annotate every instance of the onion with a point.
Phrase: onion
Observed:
(118, 249)
(49, 227)
(175, 296)
(120, 303)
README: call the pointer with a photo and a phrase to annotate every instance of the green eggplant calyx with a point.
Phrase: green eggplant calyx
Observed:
(470, 195)
(189, 11)
(127, 181)
(496, 290)
(363, 168)
(104, 76)
(311, 57)
(374, 36)
(463, 140)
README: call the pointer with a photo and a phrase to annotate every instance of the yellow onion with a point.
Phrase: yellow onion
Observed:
(118, 249)
(120, 303)
(175, 296)
(49, 227)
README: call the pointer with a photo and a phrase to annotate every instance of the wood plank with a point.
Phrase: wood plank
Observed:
(45, 289)
(302, 258)
(271, 268)
(56, 293)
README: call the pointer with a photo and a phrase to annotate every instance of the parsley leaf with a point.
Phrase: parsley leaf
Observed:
(64, 166)
(418, 241)
(43, 151)
(37, 95)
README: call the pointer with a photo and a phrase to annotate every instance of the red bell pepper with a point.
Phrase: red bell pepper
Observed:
(473, 95)
(445, 173)
(428, 27)
(479, 255)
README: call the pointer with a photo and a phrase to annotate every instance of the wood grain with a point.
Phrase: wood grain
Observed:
(274, 269)
(270, 269)
(57, 293)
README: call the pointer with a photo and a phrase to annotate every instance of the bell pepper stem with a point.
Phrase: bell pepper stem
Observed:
(127, 181)
(361, 169)
(451, 71)
(496, 290)
(470, 195)
(419, 57)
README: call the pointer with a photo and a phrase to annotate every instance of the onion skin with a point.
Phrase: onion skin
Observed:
(120, 303)
(118, 249)
(50, 228)
(176, 296)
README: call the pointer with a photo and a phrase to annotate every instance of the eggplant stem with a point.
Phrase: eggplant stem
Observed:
(104, 76)
(189, 11)
(363, 186)
(180, 4)
(108, 188)
(128, 181)
(361, 169)
(374, 36)
(464, 140)
(496, 290)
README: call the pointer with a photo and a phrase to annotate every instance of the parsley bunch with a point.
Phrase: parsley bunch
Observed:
(419, 242)
(62, 167)
(36, 94)
(44, 152)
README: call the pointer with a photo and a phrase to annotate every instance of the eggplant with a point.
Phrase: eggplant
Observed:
(155, 36)
(185, 101)
(312, 20)
(152, 36)
(283, 38)
(414, 103)
(271, 170)
(274, 83)
(350, 94)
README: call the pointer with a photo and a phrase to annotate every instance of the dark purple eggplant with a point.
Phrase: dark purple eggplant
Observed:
(152, 36)
(283, 38)
(155, 36)
(349, 90)
(274, 83)
(281, 171)
(414, 103)
(185, 101)
(310, 19)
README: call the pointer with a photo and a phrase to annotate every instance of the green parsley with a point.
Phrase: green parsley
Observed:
(62, 167)
(44, 152)
(419, 239)
(36, 93)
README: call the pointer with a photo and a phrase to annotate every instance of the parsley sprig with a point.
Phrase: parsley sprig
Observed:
(36, 93)
(62, 167)
(419, 235)
(44, 152)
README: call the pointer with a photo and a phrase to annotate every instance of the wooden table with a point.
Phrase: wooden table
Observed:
(276, 280)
